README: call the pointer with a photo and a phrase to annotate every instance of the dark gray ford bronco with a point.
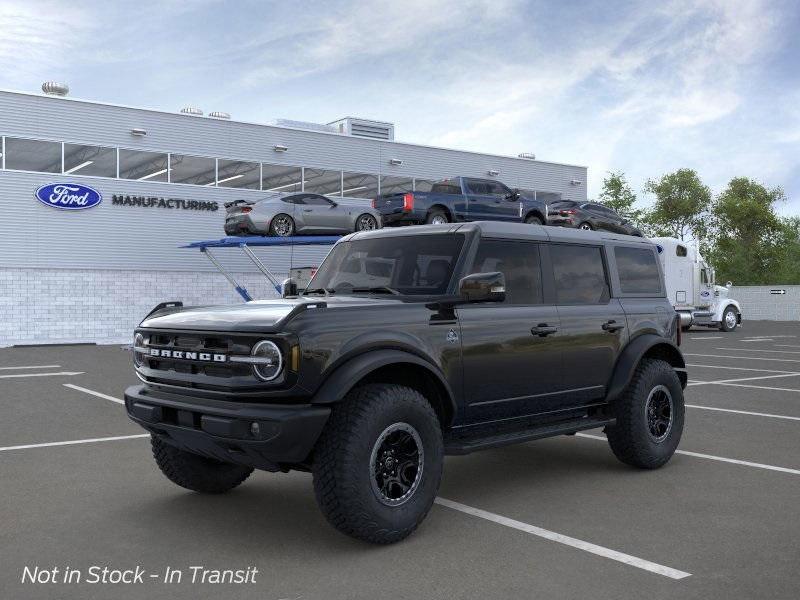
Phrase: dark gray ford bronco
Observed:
(410, 344)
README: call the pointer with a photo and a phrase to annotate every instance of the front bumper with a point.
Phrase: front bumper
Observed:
(285, 433)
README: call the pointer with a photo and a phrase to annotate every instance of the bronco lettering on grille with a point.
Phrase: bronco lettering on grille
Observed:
(183, 354)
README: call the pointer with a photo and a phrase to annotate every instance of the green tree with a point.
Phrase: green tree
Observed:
(618, 196)
(752, 245)
(681, 206)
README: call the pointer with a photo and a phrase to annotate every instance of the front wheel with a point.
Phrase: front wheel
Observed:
(729, 320)
(533, 220)
(366, 222)
(586, 226)
(378, 463)
(649, 416)
(281, 225)
(195, 472)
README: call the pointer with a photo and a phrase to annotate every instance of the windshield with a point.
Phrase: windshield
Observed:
(409, 264)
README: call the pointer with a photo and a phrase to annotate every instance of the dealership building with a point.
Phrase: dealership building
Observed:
(162, 179)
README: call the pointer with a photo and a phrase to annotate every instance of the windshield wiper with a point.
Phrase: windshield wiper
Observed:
(379, 289)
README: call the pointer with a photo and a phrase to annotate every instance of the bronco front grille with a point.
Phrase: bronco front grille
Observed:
(202, 362)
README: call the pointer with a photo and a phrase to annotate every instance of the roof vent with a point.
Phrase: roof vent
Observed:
(376, 130)
(527, 155)
(219, 115)
(53, 88)
(192, 110)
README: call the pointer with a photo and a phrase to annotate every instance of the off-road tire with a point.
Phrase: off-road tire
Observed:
(629, 438)
(533, 220)
(197, 473)
(341, 467)
(723, 326)
(437, 212)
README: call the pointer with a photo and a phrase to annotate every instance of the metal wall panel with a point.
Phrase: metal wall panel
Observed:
(123, 237)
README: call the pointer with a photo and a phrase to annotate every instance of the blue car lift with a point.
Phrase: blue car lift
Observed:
(245, 243)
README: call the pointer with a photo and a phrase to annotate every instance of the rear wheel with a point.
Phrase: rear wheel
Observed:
(533, 220)
(437, 217)
(729, 320)
(195, 472)
(586, 226)
(366, 222)
(282, 225)
(649, 416)
(378, 463)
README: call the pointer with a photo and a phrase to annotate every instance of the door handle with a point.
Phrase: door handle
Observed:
(307, 210)
(612, 326)
(543, 330)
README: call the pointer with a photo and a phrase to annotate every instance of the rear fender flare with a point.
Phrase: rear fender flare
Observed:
(633, 353)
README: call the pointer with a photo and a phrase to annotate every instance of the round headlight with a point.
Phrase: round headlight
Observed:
(270, 360)
(138, 342)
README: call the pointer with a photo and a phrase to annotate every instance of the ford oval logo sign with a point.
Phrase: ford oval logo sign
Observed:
(68, 196)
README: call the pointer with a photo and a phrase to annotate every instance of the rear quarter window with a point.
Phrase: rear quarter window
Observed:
(638, 271)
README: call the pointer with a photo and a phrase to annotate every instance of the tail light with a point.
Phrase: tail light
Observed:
(567, 212)
(374, 203)
(408, 202)
(246, 209)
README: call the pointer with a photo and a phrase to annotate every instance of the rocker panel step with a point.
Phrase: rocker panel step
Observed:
(457, 445)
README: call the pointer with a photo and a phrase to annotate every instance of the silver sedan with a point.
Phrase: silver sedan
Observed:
(283, 215)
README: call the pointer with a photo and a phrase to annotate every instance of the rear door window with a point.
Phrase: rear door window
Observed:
(446, 187)
(638, 271)
(580, 274)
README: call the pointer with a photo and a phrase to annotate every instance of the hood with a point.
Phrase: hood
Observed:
(720, 291)
(257, 316)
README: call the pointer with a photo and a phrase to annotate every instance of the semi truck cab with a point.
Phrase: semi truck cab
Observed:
(692, 289)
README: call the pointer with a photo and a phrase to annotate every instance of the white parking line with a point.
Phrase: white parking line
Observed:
(93, 393)
(757, 340)
(759, 350)
(741, 368)
(73, 442)
(744, 412)
(787, 346)
(566, 540)
(743, 357)
(734, 461)
(17, 375)
(720, 381)
(761, 387)
(712, 337)
(31, 367)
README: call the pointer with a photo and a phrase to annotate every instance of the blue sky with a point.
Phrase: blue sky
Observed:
(641, 87)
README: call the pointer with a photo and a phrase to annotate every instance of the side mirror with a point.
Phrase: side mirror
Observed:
(288, 288)
(729, 284)
(514, 195)
(334, 204)
(483, 287)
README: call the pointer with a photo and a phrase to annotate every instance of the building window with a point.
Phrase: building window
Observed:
(423, 185)
(396, 185)
(195, 170)
(238, 174)
(320, 181)
(359, 185)
(279, 178)
(143, 166)
(90, 160)
(33, 155)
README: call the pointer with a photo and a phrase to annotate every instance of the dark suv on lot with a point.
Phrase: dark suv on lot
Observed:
(410, 344)
(589, 216)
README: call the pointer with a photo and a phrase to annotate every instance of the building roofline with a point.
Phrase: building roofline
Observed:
(339, 135)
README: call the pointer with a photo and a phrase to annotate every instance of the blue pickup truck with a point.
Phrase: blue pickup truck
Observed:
(461, 199)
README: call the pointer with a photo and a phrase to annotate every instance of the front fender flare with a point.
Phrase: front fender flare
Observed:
(334, 388)
(633, 353)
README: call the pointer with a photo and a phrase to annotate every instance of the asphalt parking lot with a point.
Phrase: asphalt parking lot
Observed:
(559, 518)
